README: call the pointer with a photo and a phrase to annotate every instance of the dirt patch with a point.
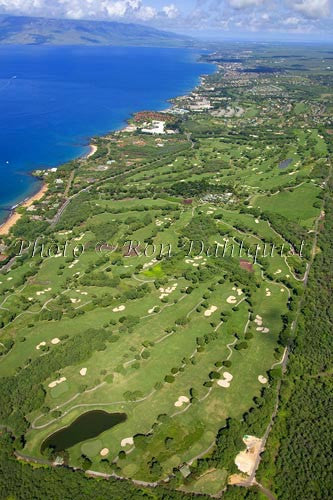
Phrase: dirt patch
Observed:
(245, 264)
(246, 459)
(236, 479)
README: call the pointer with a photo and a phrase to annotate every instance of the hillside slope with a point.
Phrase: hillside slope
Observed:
(44, 31)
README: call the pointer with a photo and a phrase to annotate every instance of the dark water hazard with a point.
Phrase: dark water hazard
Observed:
(87, 426)
(285, 163)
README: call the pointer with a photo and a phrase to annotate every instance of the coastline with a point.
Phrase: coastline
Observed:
(14, 216)
(92, 151)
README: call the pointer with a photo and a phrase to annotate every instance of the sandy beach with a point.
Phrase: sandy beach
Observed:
(14, 216)
(92, 151)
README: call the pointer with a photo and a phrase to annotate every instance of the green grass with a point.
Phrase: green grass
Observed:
(296, 205)
(240, 155)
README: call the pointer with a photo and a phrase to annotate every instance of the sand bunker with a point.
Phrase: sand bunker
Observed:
(258, 320)
(167, 291)
(41, 344)
(210, 311)
(181, 400)
(195, 264)
(65, 232)
(262, 379)
(75, 301)
(57, 382)
(231, 299)
(149, 264)
(226, 381)
(256, 221)
(73, 264)
(79, 238)
(260, 329)
(150, 311)
(278, 271)
(83, 371)
(228, 376)
(104, 452)
(223, 383)
(55, 341)
(282, 290)
(239, 291)
(126, 441)
(119, 308)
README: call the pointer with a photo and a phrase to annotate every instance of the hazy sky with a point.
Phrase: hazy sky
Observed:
(214, 18)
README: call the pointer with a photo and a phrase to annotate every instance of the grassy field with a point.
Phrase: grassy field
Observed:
(157, 322)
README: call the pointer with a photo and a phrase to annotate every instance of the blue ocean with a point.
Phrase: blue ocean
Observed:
(52, 99)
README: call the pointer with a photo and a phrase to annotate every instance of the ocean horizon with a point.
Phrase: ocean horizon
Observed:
(54, 99)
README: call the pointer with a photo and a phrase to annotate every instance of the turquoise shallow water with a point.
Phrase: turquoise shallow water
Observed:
(52, 99)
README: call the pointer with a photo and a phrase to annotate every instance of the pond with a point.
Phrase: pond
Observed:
(86, 426)
(285, 163)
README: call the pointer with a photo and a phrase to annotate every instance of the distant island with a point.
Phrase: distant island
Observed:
(44, 31)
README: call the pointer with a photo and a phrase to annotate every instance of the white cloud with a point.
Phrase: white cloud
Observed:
(115, 9)
(18, 5)
(170, 11)
(241, 4)
(232, 15)
(312, 8)
(81, 9)
(146, 13)
(291, 21)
